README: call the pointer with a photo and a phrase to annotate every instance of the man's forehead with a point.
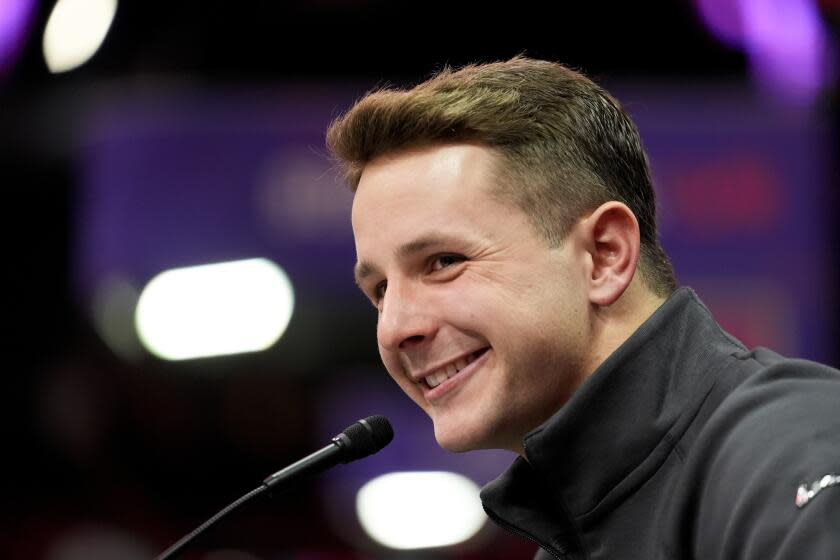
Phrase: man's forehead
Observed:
(399, 203)
(429, 165)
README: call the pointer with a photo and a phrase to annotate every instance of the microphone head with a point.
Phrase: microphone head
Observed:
(365, 437)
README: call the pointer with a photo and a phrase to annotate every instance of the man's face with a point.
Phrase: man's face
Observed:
(481, 323)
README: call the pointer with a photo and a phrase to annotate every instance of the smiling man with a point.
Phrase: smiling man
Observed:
(483, 325)
(505, 230)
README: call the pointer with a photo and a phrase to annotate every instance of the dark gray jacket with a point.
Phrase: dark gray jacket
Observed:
(683, 445)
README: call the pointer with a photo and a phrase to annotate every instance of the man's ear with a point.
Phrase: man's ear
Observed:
(611, 235)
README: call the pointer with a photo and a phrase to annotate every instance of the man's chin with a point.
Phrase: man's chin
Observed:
(459, 440)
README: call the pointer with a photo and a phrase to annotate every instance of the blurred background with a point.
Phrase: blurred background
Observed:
(142, 141)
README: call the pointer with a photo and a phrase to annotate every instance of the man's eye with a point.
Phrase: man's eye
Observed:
(443, 261)
(379, 290)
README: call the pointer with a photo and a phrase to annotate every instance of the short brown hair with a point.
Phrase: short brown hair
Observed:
(566, 145)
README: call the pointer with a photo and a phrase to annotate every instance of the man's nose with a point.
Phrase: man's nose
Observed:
(405, 320)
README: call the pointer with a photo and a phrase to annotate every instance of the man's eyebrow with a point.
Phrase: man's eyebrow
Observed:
(364, 269)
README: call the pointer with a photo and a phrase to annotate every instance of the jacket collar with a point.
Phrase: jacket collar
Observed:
(622, 423)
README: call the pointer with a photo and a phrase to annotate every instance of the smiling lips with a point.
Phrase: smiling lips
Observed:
(451, 369)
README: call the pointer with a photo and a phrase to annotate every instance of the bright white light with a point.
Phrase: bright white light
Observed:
(410, 510)
(215, 309)
(75, 31)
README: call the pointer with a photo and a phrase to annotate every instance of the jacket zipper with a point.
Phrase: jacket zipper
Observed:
(517, 531)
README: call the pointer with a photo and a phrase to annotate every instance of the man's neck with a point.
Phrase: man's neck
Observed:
(611, 327)
(616, 323)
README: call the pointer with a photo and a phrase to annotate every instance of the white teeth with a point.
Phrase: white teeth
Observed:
(436, 379)
(442, 375)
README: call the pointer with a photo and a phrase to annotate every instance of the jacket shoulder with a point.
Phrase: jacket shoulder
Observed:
(777, 430)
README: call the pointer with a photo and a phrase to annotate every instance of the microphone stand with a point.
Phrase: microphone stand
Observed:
(181, 544)
(357, 441)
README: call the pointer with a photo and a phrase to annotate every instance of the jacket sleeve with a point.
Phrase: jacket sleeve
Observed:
(778, 431)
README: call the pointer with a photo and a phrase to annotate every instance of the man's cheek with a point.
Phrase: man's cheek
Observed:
(395, 370)
(391, 363)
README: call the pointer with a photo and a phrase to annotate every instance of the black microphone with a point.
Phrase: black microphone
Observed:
(359, 440)
(363, 438)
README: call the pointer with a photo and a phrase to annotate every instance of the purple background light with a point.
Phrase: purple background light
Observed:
(790, 52)
(15, 20)
(723, 19)
(165, 189)
(789, 48)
